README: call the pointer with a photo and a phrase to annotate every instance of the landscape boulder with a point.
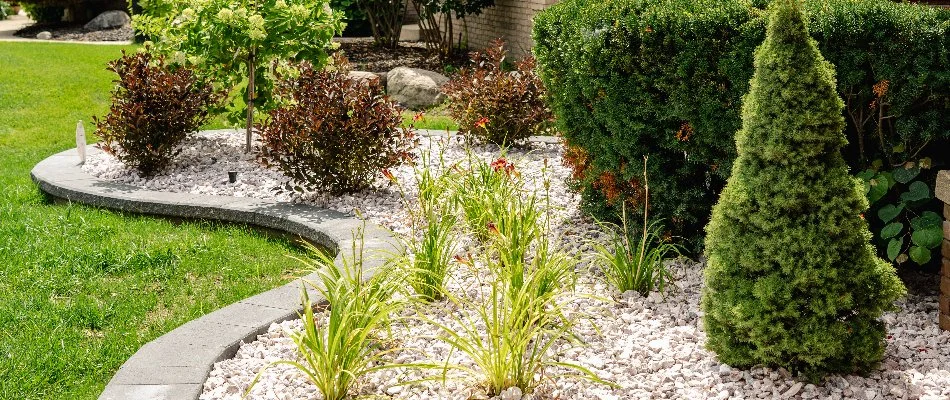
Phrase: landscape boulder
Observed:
(363, 76)
(416, 88)
(45, 35)
(108, 20)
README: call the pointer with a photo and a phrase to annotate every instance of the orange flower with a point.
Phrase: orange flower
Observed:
(492, 228)
(482, 122)
(418, 117)
(389, 175)
(502, 164)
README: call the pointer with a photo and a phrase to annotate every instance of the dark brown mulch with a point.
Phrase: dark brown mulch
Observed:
(364, 55)
(69, 31)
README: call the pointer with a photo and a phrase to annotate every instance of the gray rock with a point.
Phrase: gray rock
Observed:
(793, 390)
(363, 76)
(416, 88)
(45, 35)
(108, 20)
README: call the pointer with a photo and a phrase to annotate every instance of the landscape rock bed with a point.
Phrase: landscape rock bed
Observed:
(652, 347)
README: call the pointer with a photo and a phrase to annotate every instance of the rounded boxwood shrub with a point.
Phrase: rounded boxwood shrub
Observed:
(497, 101)
(331, 133)
(154, 107)
(792, 279)
(664, 78)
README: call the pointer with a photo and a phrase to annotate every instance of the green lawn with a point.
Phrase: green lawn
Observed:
(81, 289)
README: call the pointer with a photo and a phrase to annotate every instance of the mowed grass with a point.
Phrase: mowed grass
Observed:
(81, 289)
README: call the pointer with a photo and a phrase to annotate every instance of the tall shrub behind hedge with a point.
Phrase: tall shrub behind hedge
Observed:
(665, 78)
(792, 280)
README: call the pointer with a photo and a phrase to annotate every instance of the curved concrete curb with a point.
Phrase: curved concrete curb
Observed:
(176, 365)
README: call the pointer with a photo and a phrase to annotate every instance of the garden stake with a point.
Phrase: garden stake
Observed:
(81, 142)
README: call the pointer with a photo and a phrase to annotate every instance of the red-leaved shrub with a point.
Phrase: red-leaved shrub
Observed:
(333, 133)
(154, 107)
(496, 104)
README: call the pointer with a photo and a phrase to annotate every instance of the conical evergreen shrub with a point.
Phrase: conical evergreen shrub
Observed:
(792, 280)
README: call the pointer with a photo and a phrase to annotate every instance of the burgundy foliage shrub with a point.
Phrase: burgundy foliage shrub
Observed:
(154, 107)
(332, 133)
(496, 102)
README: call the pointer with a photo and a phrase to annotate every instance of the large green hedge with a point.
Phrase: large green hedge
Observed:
(664, 78)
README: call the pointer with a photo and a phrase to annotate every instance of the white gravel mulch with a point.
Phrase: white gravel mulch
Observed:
(651, 347)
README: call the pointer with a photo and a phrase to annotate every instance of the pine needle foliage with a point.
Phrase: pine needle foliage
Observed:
(792, 280)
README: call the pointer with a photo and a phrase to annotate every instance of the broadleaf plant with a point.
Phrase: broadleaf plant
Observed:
(902, 202)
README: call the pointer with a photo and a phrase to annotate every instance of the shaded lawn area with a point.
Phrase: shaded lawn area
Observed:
(81, 289)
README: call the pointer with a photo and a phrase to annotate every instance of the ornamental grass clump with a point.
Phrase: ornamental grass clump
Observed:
(510, 332)
(514, 322)
(498, 101)
(484, 191)
(792, 280)
(332, 133)
(347, 345)
(428, 255)
(154, 107)
(631, 263)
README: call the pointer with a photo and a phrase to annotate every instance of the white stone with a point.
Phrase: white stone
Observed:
(642, 346)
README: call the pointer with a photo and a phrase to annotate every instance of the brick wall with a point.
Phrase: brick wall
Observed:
(508, 19)
(943, 193)
(511, 20)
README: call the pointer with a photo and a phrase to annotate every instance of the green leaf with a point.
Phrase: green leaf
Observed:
(889, 212)
(866, 175)
(876, 191)
(904, 175)
(919, 255)
(894, 248)
(927, 219)
(877, 164)
(892, 229)
(928, 237)
(887, 178)
(916, 192)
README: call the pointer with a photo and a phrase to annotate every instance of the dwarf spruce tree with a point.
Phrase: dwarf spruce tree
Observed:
(792, 280)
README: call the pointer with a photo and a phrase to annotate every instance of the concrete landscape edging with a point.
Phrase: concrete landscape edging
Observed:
(176, 365)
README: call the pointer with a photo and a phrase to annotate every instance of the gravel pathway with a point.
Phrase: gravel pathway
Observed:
(651, 347)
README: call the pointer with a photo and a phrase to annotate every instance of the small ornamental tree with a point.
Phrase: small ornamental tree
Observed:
(242, 41)
(792, 280)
